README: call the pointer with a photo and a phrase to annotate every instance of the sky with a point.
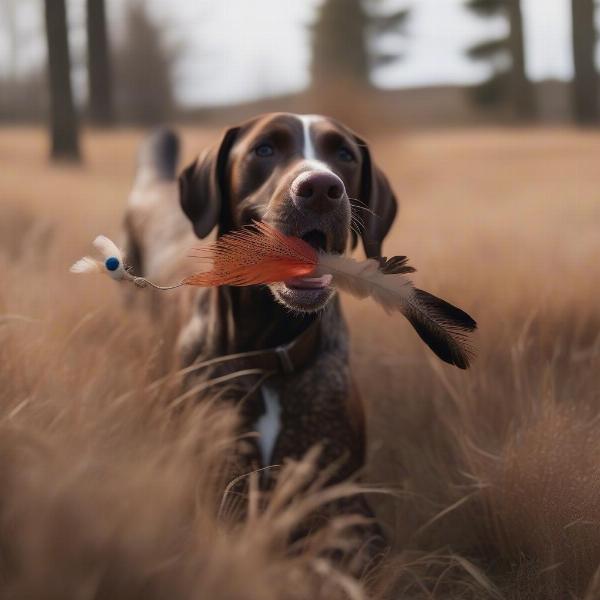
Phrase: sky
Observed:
(234, 50)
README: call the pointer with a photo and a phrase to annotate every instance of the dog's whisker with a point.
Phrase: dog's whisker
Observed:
(359, 231)
(362, 206)
(356, 228)
(357, 200)
(367, 210)
(356, 221)
(356, 216)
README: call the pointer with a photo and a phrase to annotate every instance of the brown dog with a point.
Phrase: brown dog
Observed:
(308, 176)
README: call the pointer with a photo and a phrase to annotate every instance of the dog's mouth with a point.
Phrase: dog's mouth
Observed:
(308, 294)
(319, 241)
(309, 283)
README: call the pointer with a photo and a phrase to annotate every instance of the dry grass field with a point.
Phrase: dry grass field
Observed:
(491, 476)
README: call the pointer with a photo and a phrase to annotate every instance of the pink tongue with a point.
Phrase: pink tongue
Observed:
(309, 282)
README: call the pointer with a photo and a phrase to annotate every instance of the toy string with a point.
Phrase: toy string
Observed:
(143, 282)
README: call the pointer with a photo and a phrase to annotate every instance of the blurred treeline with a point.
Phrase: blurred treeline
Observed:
(130, 73)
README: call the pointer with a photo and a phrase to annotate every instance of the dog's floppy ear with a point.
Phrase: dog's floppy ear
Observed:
(203, 186)
(377, 203)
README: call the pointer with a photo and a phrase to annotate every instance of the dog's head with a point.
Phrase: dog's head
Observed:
(307, 176)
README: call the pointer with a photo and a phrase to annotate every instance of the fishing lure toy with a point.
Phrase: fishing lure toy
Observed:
(113, 265)
(259, 254)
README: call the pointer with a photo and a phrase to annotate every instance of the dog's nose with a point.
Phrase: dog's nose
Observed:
(319, 191)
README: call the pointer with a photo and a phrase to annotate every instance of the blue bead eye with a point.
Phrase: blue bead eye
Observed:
(112, 263)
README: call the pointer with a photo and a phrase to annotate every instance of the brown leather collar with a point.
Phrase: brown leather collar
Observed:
(289, 358)
(282, 360)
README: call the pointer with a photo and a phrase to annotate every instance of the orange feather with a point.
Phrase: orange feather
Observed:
(254, 255)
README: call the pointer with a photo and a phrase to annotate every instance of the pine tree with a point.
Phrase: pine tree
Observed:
(144, 64)
(585, 79)
(508, 83)
(342, 48)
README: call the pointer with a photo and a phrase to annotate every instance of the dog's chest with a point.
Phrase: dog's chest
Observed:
(268, 425)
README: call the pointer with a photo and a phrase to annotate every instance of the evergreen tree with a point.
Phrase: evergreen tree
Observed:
(342, 41)
(508, 83)
(144, 68)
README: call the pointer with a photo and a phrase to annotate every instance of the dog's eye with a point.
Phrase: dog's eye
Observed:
(264, 150)
(345, 154)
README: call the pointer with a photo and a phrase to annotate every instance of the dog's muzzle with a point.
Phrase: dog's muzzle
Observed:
(318, 211)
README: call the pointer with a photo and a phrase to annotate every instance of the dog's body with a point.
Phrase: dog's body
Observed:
(298, 173)
(307, 176)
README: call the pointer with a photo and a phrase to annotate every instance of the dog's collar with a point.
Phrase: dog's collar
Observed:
(285, 359)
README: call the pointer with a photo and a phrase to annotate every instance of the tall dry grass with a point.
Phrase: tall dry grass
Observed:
(493, 474)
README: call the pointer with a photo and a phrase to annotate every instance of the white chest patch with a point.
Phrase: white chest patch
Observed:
(268, 425)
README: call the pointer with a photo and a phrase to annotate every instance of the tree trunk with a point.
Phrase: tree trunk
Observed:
(63, 120)
(521, 90)
(585, 80)
(339, 47)
(99, 75)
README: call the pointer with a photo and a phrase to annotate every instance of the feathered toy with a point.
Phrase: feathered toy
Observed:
(259, 254)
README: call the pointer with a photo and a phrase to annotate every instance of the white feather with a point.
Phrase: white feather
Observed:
(440, 325)
(87, 265)
(395, 292)
(107, 248)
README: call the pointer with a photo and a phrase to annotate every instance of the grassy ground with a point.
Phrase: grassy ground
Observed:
(494, 473)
